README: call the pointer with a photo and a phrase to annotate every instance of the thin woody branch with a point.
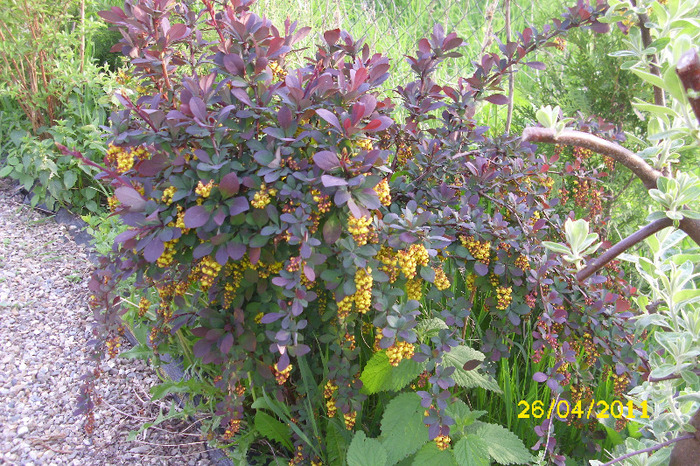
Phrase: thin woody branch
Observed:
(629, 159)
(638, 236)
(645, 172)
(650, 449)
(689, 73)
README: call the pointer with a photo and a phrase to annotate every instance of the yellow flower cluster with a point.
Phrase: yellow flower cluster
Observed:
(204, 190)
(210, 270)
(443, 442)
(323, 201)
(470, 283)
(168, 194)
(234, 425)
(331, 408)
(383, 192)
(480, 250)
(522, 263)
(166, 258)
(559, 43)
(144, 304)
(441, 280)
(263, 197)
(112, 203)
(124, 158)
(350, 419)
(414, 288)
(359, 228)
(399, 351)
(278, 72)
(410, 258)
(258, 317)
(113, 345)
(365, 144)
(344, 307)
(387, 257)
(403, 153)
(282, 376)
(329, 389)
(504, 297)
(535, 217)
(495, 281)
(363, 293)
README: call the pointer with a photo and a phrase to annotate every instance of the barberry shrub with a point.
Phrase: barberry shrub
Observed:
(307, 256)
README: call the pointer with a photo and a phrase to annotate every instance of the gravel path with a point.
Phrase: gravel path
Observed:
(44, 323)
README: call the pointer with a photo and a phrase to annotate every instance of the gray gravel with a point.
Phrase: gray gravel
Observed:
(44, 323)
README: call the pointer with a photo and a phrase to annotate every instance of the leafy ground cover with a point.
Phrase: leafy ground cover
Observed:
(356, 265)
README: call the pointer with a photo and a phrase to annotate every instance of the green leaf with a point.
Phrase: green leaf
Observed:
(336, 442)
(472, 451)
(273, 429)
(403, 430)
(556, 247)
(379, 375)
(457, 357)
(5, 171)
(503, 445)
(429, 327)
(69, 179)
(160, 390)
(365, 451)
(430, 454)
(463, 416)
(137, 352)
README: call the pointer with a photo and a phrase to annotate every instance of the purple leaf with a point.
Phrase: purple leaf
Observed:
(196, 216)
(309, 273)
(221, 256)
(236, 251)
(471, 365)
(538, 65)
(332, 231)
(481, 269)
(329, 181)
(539, 377)
(241, 95)
(130, 198)
(326, 160)
(201, 348)
(125, 236)
(379, 124)
(329, 117)
(153, 250)
(497, 99)
(226, 343)
(240, 204)
(284, 116)
(229, 184)
(198, 108)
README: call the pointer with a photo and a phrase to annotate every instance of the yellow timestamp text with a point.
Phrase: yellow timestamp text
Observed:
(594, 410)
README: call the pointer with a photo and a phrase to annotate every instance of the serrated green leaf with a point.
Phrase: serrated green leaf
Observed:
(273, 429)
(5, 171)
(430, 454)
(457, 357)
(69, 179)
(137, 352)
(503, 445)
(428, 326)
(472, 451)
(463, 416)
(365, 451)
(403, 430)
(336, 442)
(378, 375)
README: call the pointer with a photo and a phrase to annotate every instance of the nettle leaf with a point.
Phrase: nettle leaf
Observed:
(365, 451)
(379, 375)
(502, 445)
(273, 429)
(431, 454)
(472, 450)
(457, 358)
(403, 430)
